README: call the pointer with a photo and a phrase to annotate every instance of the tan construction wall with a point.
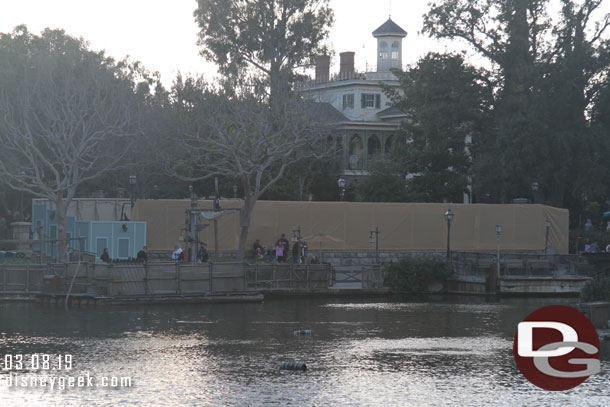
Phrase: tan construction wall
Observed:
(346, 225)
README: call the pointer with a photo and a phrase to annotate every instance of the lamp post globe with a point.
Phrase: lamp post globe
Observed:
(535, 188)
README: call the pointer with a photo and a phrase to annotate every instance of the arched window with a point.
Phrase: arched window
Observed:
(355, 152)
(374, 147)
(388, 145)
(395, 50)
(383, 50)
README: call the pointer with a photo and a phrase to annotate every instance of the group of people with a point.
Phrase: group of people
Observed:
(586, 246)
(185, 256)
(281, 251)
(141, 257)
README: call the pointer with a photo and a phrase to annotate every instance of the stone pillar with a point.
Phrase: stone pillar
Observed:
(21, 231)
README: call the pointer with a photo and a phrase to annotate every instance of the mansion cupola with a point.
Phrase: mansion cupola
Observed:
(389, 46)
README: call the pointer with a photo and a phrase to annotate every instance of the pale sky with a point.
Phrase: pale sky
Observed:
(162, 34)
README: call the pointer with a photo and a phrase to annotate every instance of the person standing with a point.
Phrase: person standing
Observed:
(283, 242)
(202, 254)
(67, 252)
(304, 248)
(258, 250)
(296, 253)
(105, 257)
(177, 254)
(142, 256)
(279, 252)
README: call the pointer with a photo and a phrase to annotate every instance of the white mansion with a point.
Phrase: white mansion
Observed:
(366, 125)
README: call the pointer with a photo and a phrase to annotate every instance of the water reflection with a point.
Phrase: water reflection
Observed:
(363, 352)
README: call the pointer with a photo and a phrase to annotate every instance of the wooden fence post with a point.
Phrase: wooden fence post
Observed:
(178, 286)
(27, 279)
(145, 278)
(245, 267)
(4, 278)
(110, 280)
(211, 276)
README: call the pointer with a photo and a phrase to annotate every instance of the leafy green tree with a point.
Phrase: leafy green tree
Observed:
(546, 74)
(447, 104)
(314, 175)
(268, 38)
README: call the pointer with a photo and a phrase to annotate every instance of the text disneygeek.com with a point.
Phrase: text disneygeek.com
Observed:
(13, 380)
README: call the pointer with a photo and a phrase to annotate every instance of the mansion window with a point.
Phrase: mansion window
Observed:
(370, 100)
(383, 50)
(348, 101)
(395, 48)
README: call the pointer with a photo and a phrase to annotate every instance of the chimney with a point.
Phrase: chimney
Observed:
(346, 70)
(322, 68)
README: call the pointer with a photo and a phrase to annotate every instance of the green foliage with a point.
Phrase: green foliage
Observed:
(447, 104)
(271, 37)
(596, 289)
(313, 176)
(546, 75)
(382, 186)
(414, 275)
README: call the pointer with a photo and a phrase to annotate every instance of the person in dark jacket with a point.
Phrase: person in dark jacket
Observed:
(105, 257)
(142, 256)
(296, 252)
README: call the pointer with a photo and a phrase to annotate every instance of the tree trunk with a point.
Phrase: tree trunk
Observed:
(245, 214)
(61, 229)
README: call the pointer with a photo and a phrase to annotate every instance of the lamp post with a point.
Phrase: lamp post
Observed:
(132, 183)
(547, 223)
(535, 187)
(341, 183)
(449, 218)
(193, 226)
(234, 191)
(498, 231)
(375, 239)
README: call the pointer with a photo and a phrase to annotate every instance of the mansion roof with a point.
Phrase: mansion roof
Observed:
(389, 28)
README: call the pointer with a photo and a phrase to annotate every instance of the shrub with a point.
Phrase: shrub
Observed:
(8, 246)
(415, 275)
(596, 289)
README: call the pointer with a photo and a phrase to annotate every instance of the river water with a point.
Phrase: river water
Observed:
(370, 351)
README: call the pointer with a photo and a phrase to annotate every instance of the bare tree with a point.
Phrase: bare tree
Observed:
(66, 116)
(241, 138)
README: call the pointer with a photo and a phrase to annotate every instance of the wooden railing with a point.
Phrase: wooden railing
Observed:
(158, 278)
(288, 276)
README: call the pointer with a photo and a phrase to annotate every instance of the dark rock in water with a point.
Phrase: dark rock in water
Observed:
(293, 366)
